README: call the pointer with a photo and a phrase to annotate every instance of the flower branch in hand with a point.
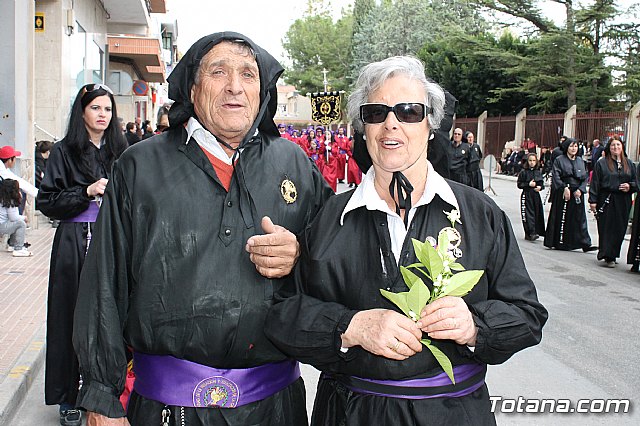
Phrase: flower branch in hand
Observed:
(438, 262)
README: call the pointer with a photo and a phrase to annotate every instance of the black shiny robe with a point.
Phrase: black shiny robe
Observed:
(459, 162)
(475, 175)
(167, 272)
(340, 273)
(633, 253)
(612, 205)
(567, 224)
(63, 195)
(531, 209)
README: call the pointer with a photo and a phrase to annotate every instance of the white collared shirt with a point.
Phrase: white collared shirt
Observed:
(366, 195)
(207, 141)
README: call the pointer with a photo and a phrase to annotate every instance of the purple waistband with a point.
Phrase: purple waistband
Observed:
(89, 215)
(469, 377)
(183, 383)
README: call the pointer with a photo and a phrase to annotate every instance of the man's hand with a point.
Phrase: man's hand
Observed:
(383, 332)
(95, 419)
(449, 318)
(274, 253)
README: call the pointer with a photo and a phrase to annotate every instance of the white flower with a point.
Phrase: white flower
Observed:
(438, 281)
(413, 316)
(453, 216)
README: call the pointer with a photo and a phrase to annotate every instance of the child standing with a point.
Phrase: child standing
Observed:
(11, 222)
(531, 182)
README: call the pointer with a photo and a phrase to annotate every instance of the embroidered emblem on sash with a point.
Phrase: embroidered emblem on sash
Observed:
(216, 391)
(288, 191)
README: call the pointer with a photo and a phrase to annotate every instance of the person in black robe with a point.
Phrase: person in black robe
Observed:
(43, 149)
(458, 154)
(531, 182)
(567, 224)
(475, 156)
(332, 314)
(612, 184)
(76, 175)
(633, 253)
(197, 225)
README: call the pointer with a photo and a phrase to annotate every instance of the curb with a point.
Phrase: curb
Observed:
(19, 380)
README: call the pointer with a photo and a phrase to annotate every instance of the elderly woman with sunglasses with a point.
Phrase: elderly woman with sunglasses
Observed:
(76, 175)
(332, 314)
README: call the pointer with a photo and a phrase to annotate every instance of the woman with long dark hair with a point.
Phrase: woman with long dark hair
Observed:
(12, 223)
(613, 182)
(77, 173)
(567, 224)
(531, 182)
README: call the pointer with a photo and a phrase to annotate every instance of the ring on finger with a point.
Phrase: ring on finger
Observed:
(396, 346)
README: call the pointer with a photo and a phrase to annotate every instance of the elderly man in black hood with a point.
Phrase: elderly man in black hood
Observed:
(185, 255)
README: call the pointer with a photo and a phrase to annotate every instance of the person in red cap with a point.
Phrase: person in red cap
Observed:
(8, 156)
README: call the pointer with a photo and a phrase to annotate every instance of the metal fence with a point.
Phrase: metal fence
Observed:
(600, 125)
(545, 130)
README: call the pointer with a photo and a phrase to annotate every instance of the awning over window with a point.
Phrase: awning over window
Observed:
(143, 51)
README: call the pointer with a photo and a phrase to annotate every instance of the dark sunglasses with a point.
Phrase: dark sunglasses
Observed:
(96, 87)
(406, 112)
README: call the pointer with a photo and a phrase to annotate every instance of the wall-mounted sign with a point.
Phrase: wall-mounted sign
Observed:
(39, 22)
(140, 88)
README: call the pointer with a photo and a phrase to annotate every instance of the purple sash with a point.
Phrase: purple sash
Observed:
(89, 215)
(183, 383)
(469, 377)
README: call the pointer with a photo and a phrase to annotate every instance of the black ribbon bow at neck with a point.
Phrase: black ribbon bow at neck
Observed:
(404, 188)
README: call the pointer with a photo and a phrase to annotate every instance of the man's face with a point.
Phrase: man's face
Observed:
(226, 97)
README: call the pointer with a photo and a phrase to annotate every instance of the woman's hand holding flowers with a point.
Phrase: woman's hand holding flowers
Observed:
(383, 332)
(449, 318)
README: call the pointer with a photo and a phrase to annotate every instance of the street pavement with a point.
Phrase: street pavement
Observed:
(589, 347)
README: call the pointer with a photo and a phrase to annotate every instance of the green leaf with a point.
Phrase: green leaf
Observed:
(398, 299)
(420, 267)
(442, 359)
(417, 298)
(456, 266)
(410, 278)
(421, 252)
(435, 261)
(462, 283)
(443, 242)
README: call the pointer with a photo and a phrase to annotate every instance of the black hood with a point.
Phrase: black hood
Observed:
(183, 77)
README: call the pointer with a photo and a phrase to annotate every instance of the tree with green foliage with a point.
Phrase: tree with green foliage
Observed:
(580, 49)
(316, 42)
(471, 67)
(402, 27)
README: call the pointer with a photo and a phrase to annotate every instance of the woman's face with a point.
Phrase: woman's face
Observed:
(470, 138)
(392, 145)
(615, 147)
(97, 114)
(532, 162)
(572, 150)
